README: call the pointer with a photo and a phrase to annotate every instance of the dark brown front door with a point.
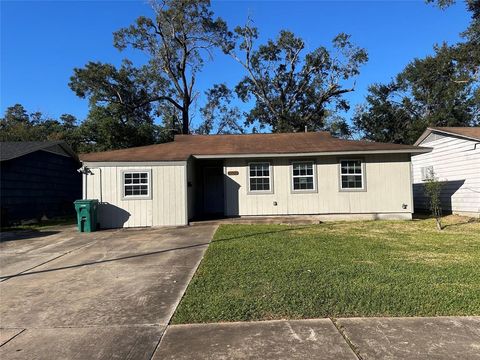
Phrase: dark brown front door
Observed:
(213, 197)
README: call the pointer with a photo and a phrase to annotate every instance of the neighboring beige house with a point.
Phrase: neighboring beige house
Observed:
(212, 176)
(455, 161)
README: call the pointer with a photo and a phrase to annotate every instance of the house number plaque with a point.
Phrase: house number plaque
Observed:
(233, 173)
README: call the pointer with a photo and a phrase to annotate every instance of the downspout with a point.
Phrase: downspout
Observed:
(101, 192)
(412, 199)
(84, 190)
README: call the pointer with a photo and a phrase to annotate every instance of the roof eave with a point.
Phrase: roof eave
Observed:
(324, 153)
(107, 163)
(428, 131)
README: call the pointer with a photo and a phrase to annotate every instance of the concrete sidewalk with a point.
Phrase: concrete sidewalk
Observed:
(349, 339)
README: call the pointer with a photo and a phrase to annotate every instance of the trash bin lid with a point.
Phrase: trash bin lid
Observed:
(86, 201)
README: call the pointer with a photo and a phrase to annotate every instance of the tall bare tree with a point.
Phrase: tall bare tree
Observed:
(177, 40)
(293, 90)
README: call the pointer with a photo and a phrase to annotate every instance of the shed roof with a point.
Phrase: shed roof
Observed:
(251, 145)
(472, 133)
(13, 149)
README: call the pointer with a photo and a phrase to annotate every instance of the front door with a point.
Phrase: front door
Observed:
(213, 191)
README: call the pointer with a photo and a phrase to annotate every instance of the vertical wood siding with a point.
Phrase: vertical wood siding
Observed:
(456, 162)
(167, 206)
(388, 187)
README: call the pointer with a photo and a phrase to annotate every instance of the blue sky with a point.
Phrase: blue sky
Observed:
(42, 41)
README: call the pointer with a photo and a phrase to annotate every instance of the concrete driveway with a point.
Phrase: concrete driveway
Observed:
(103, 295)
(111, 294)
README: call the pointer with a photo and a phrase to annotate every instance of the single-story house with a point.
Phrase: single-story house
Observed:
(455, 161)
(38, 178)
(207, 176)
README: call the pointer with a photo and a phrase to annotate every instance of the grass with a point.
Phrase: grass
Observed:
(342, 269)
(41, 224)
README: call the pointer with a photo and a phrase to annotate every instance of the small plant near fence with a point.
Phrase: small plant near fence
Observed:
(433, 188)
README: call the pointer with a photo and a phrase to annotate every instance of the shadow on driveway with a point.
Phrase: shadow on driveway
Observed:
(148, 254)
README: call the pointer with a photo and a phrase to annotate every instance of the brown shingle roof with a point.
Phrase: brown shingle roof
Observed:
(472, 132)
(185, 146)
(467, 132)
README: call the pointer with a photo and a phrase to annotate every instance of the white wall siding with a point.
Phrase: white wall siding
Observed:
(388, 187)
(166, 207)
(456, 162)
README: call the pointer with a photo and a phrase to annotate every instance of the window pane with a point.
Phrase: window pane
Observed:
(351, 167)
(259, 184)
(303, 176)
(136, 184)
(303, 183)
(352, 181)
(259, 177)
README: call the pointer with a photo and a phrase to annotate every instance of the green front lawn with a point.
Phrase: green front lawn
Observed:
(342, 269)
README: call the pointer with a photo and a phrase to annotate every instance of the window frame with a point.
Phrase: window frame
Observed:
(314, 176)
(363, 177)
(425, 172)
(149, 184)
(270, 178)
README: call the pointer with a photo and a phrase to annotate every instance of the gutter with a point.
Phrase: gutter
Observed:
(419, 150)
(324, 153)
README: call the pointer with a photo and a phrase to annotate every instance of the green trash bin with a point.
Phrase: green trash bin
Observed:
(86, 214)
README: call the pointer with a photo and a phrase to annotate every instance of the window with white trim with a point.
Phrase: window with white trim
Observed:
(351, 174)
(259, 177)
(136, 184)
(427, 172)
(303, 176)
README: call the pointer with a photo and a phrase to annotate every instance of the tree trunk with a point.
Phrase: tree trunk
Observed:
(439, 223)
(185, 121)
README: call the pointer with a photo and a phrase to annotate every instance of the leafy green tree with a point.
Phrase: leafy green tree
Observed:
(15, 125)
(293, 89)
(121, 112)
(218, 114)
(177, 40)
(442, 89)
(16, 113)
(438, 90)
(337, 126)
(18, 125)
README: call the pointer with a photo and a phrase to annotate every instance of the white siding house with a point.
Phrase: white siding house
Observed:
(164, 202)
(386, 190)
(455, 161)
(204, 177)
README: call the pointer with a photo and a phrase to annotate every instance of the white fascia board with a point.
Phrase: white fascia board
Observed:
(93, 164)
(333, 153)
(427, 132)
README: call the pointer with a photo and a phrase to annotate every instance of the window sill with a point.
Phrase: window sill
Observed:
(259, 192)
(314, 191)
(352, 190)
(136, 198)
